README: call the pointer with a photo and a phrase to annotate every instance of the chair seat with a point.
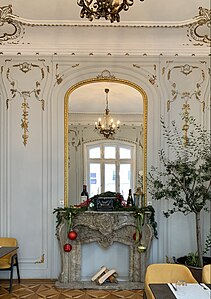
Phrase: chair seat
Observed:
(4, 263)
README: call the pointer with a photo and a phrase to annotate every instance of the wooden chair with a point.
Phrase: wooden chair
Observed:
(206, 274)
(166, 273)
(8, 262)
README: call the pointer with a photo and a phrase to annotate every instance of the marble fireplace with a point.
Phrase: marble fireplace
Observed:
(105, 228)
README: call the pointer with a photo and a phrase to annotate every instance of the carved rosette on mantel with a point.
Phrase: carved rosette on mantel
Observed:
(105, 228)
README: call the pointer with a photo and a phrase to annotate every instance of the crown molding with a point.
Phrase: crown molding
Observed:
(40, 35)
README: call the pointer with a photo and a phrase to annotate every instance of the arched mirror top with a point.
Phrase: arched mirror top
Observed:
(85, 103)
(94, 94)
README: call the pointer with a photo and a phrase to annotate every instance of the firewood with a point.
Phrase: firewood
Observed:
(100, 273)
(106, 276)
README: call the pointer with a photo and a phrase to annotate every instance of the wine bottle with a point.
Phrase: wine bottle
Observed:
(84, 194)
(130, 202)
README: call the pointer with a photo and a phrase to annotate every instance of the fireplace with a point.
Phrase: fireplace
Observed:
(105, 228)
(108, 257)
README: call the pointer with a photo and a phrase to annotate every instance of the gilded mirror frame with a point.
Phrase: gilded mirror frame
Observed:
(66, 122)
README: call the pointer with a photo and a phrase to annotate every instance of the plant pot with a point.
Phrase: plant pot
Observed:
(196, 272)
(206, 260)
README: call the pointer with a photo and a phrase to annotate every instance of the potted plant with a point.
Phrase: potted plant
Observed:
(185, 178)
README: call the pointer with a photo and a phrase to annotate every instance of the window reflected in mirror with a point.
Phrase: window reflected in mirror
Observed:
(109, 167)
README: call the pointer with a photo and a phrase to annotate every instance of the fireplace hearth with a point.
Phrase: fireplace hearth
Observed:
(105, 228)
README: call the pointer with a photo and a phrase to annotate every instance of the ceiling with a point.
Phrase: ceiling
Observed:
(121, 98)
(148, 10)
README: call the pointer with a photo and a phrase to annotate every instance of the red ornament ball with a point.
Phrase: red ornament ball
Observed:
(67, 247)
(72, 235)
(134, 236)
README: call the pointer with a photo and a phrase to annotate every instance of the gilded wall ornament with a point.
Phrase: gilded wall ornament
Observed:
(59, 76)
(185, 128)
(11, 28)
(106, 75)
(41, 260)
(75, 140)
(192, 77)
(200, 30)
(12, 76)
(195, 91)
(152, 76)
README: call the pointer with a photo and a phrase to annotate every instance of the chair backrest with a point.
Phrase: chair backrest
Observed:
(7, 242)
(206, 274)
(166, 273)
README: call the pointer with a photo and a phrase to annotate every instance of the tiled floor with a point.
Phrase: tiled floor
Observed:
(46, 289)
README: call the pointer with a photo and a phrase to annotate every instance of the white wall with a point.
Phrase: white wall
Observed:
(32, 176)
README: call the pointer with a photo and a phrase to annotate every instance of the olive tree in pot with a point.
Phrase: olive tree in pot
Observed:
(185, 179)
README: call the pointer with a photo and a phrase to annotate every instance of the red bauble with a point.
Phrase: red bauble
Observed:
(72, 235)
(67, 247)
(134, 236)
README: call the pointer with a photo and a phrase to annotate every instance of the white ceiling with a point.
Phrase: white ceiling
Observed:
(148, 10)
(122, 99)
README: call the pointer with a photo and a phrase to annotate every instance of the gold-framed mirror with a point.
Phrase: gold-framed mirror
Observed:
(135, 101)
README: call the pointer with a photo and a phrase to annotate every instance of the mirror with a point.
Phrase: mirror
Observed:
(85, 102)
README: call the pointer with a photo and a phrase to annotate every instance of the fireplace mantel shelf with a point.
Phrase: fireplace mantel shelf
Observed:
(105, 228)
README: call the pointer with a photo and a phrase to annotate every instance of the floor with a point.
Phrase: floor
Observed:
(35, 289)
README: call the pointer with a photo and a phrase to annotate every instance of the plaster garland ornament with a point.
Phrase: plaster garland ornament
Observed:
(185, 128)
(25, 68)
(75, 139)
(186, 70)
(60, 77)
(152, 76)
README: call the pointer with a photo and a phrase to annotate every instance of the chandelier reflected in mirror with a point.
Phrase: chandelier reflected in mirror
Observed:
(107, 127)
(108, 9)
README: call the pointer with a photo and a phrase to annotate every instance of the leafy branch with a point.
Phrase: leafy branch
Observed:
(185, 176)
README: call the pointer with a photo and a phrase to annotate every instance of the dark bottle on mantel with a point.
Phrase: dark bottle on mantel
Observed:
(84, 194)
(130, 202)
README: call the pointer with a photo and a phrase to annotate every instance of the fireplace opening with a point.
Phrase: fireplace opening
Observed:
(94, 256)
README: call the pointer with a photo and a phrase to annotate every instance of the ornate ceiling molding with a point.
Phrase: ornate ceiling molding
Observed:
(200, 31)
(6, 14)
(13, 27)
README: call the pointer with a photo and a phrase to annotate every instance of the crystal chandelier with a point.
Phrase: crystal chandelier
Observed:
(107, 127)
(108, 9)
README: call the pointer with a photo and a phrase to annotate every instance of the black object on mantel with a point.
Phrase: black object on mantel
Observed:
(130, 202)
(105, 204)
(84, 194)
